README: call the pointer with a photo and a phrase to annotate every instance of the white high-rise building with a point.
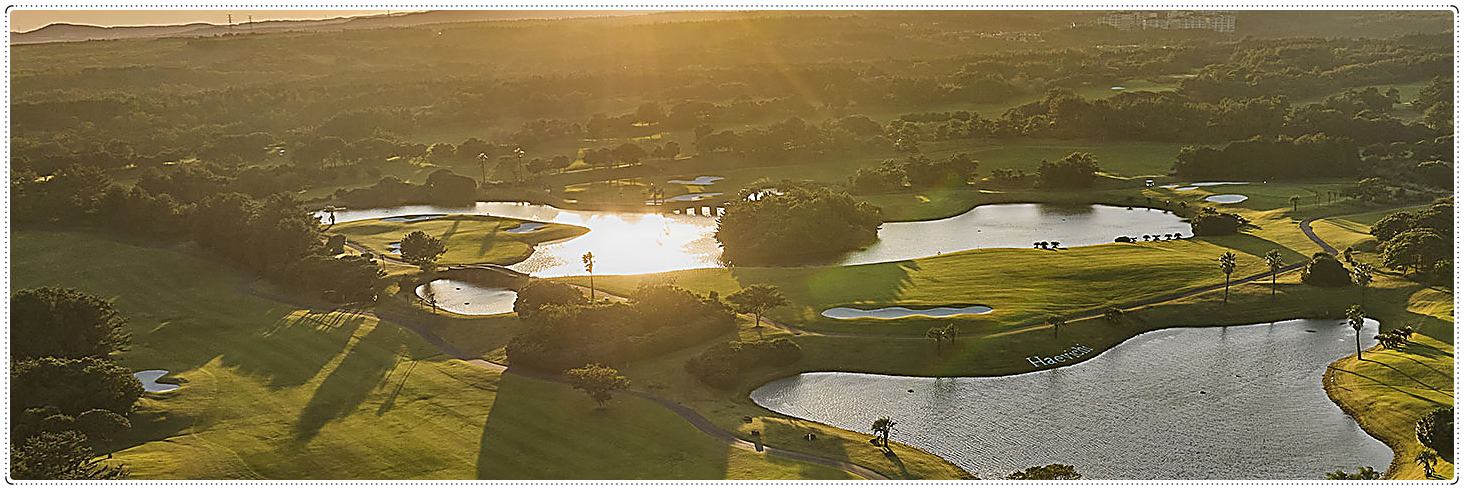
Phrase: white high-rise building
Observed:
(1212, 20)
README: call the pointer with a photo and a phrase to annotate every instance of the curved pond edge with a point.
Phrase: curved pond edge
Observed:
(149, 379)
(751, 385)
(1030, 201)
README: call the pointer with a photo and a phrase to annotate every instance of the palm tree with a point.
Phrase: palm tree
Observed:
(430, 296)
(1355, 319)
(882, 427)
(1362, 275)
(1426, 458)
(1273, 259)
(1056, 322)
(938, 335)
(1227, 265)
(589, 260)
(1295, 203)
(1054, 245)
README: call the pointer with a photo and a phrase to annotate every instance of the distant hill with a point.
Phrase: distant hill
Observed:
(62, 32)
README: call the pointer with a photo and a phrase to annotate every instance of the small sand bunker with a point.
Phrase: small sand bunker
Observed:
(414, 218)
(845, 313)
(1227, 198)
(150, 384)
(701, 180)
(1117, 88)
(525, 227)
(692, 197)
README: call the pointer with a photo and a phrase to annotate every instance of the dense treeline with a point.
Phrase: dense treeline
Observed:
(794, 223)
(722, 365)
(273, 236)
(562, 330)
(1420, 241)
(1281, 157)
(69, 400)
(328, 108)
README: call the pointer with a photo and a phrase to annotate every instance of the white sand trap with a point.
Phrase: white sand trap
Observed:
(845, 313)
(1117, 88)
(701, 180)
(410, 219)
(149, 379)
(465, 298)
(1227, 198)
(525, 227)
(692, 197)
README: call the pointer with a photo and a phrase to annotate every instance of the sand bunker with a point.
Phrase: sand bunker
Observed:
(525, 227)
(845, 313)
(465, 298)
(149, 379)
(702, 180)
(1227, 198)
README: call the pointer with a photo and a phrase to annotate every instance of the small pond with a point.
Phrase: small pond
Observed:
(701, 180)
(466, 298)
(1240, 402)
(1227, 198)
(1015, 226)
(847, 313)
(150, 384)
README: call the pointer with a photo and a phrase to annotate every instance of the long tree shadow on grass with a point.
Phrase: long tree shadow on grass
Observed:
(538, 429)
(364, 369)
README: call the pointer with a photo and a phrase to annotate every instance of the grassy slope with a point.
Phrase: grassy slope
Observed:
(469, 239)
(275, 391)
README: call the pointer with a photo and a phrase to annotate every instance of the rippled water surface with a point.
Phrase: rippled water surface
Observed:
(1242, 402)
(466, 298)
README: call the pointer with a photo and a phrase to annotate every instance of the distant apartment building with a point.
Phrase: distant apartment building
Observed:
(1213, 20)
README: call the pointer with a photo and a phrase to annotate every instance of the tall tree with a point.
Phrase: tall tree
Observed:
(589, 259)
(1362, 275)
(882, 427)
(60, 456)
(597, 381)
(421, 249)
(757, 299)
(1355, 319)
(1227, 265)
(1273, 260)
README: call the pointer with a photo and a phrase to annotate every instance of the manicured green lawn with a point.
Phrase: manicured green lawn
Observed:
(469, 239)
(275, 391)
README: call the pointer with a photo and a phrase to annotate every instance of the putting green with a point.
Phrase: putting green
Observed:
(469, 239)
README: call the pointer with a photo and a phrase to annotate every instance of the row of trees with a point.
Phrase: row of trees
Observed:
(1422, 241)
(918, 171)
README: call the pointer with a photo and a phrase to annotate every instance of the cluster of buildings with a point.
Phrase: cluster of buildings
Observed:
(1213, 20)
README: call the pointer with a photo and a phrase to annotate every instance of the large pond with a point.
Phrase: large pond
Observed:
(1241, 402)
(641, 243)
(466, 298)
(1016, 226)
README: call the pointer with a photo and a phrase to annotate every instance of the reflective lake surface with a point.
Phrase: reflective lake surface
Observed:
(150, 384)
(1240, 402)
(466, 298)
(623, 242)
(641, 243)
(1015, 226)
(847, 313)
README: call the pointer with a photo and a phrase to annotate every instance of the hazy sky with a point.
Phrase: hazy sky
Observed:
(25, 20)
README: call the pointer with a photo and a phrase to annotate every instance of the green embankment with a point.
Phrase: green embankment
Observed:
(469, 239)
(271, 390)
